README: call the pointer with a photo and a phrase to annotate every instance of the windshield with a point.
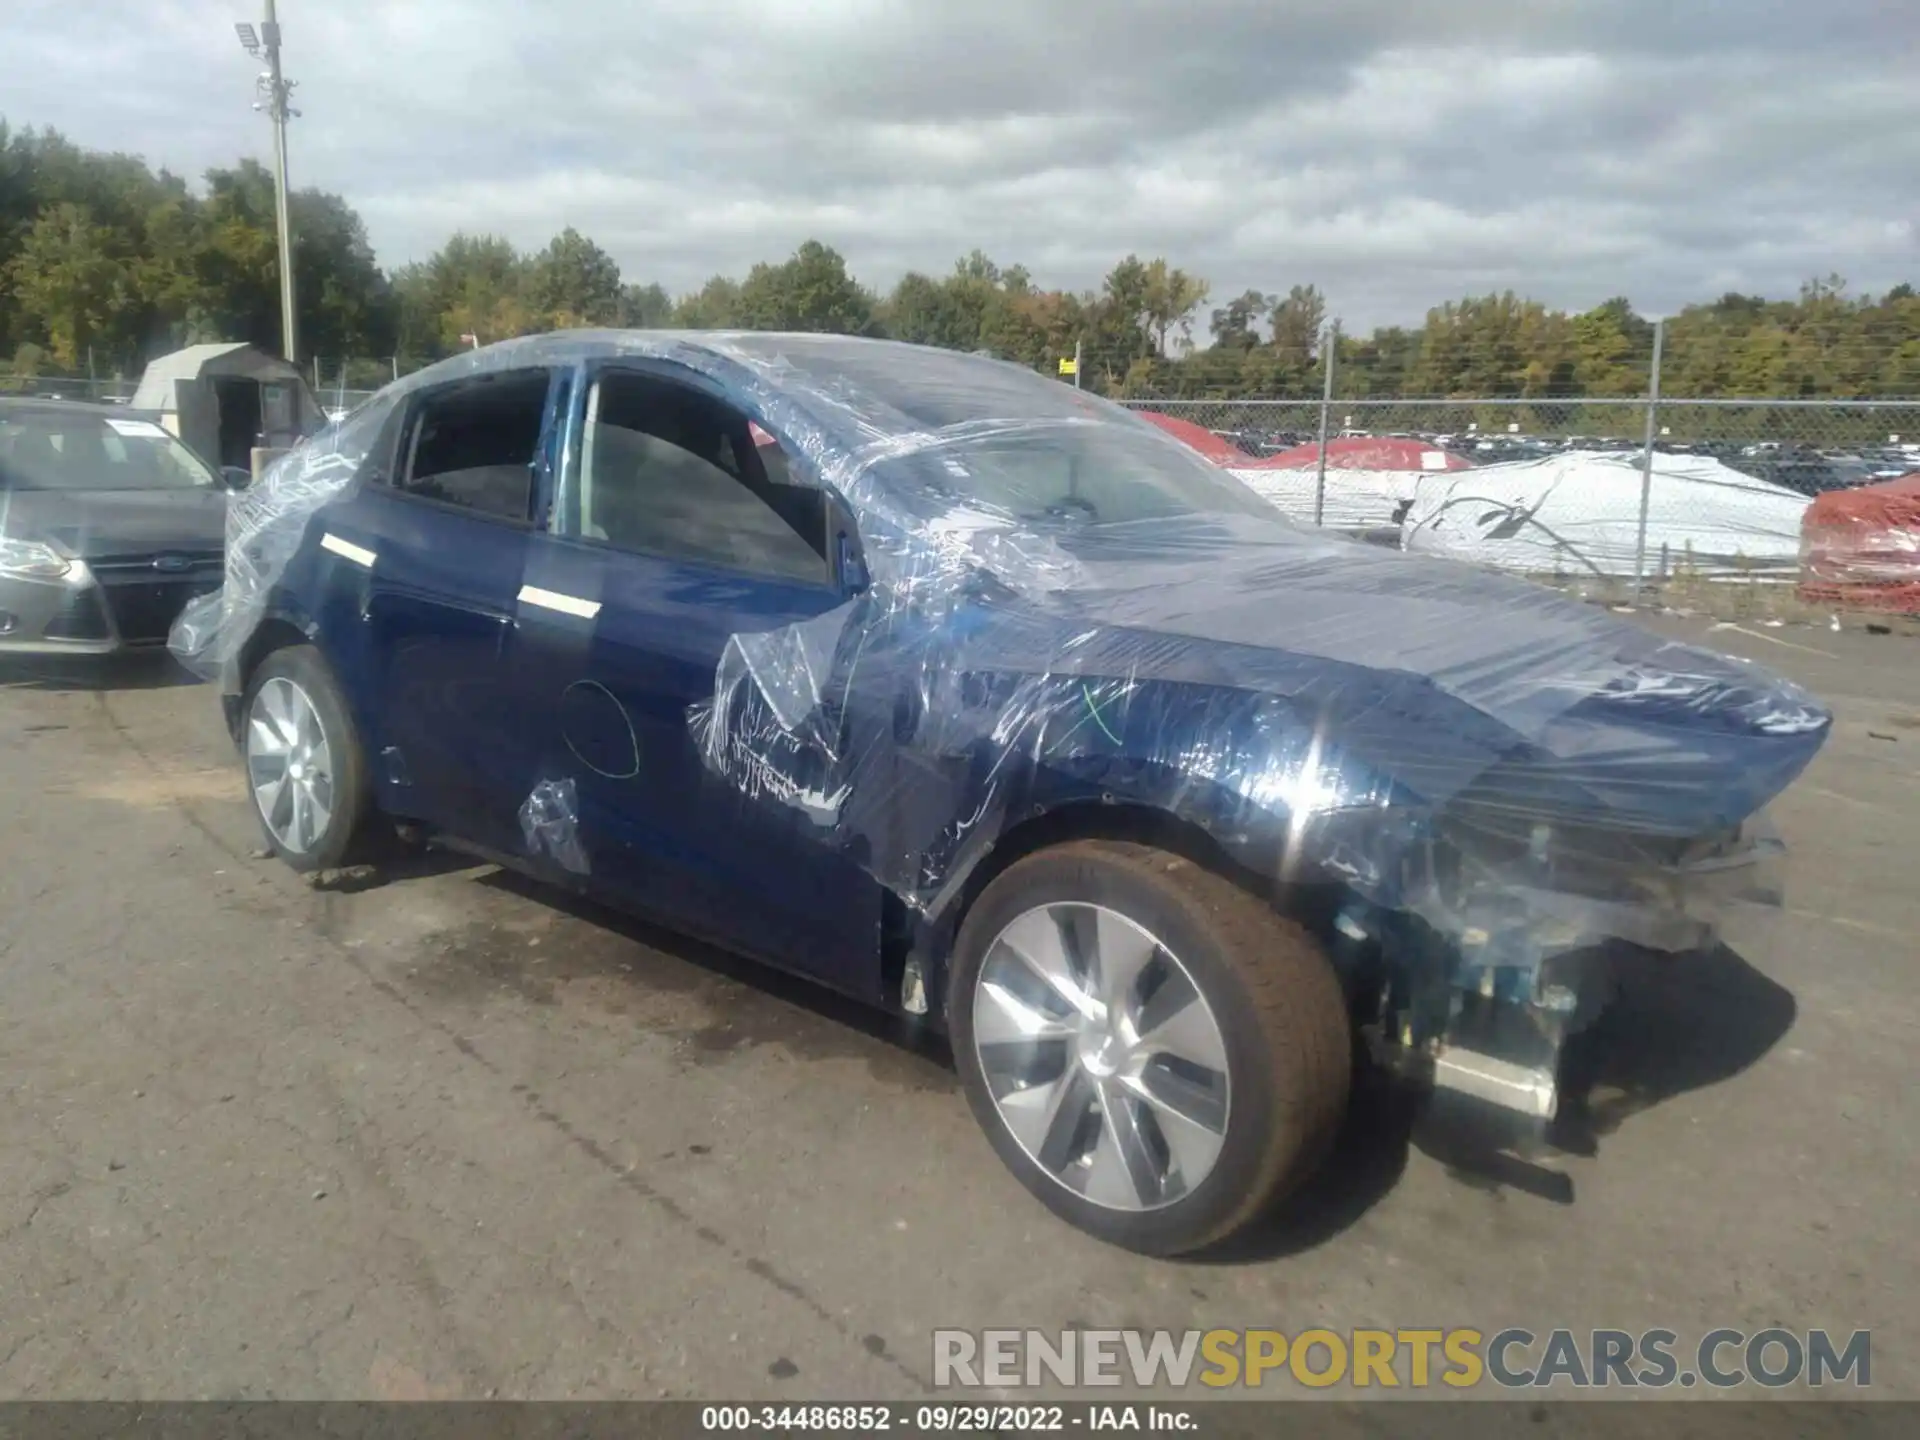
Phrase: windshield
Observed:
(1003, 438)
(46, 450)
(1088, 472)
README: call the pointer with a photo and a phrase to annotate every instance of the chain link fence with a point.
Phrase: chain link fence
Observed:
(67, 387)
(1691, 499)
(1630, 470)
(1712, 501)
(338, 383)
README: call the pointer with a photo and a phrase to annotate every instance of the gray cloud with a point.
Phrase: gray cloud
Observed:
(1396, 152)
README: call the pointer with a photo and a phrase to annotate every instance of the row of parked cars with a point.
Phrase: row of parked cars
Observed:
(959, 691)
(1804, 468)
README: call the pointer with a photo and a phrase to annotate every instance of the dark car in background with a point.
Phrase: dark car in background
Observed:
(993, 705)
(1803, 469)
(108, 527)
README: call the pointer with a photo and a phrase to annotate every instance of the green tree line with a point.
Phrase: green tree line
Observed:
(105, 262)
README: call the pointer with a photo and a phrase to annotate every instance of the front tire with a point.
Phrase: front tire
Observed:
(1159, 1056)
(306, 769)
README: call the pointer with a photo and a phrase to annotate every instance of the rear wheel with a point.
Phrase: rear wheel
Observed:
(306, 771)
(1159, 1056)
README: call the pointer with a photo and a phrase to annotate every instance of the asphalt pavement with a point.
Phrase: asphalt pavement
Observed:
(443, 1134)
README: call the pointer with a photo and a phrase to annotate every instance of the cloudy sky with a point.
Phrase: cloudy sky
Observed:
(1395, 152)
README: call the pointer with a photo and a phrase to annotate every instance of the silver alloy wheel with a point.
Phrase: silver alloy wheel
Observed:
(1102, 1056)
(289, 765)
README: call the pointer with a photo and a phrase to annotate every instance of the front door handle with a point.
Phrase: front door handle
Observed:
(559, 602)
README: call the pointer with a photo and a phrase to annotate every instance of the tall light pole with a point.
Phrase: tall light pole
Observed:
(275, 89)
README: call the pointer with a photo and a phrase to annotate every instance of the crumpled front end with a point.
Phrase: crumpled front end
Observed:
(1486, 862)
(1502, 788)
(1508, 943)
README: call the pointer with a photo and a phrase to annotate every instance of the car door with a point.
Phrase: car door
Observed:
(657, 555)
(428, 554)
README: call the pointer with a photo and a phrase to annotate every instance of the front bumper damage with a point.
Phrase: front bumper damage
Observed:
(1507, 951)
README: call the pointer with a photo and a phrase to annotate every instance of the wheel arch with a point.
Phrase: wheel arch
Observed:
(1101, 820)
(1067, 822)
(276, 631)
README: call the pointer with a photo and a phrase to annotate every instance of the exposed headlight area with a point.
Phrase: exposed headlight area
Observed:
(1725, 692)
(1510, 932)
(1482, 854)
(32, 560)
(50, 601)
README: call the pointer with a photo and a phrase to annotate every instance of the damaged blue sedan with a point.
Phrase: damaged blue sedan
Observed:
(977, 698)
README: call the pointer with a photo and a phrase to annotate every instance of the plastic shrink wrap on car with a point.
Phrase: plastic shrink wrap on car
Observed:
(1520, 772)
(1861, 547)
(265, 525)
(1523, 773)
(550, 825)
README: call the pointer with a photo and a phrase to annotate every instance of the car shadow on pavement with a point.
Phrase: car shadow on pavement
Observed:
(137, 670)
(1679, 1023)
(1366, 1162)
(858, 1024)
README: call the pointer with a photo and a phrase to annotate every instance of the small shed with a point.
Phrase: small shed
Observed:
(224, 400)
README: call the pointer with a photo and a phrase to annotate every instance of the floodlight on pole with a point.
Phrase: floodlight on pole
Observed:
(275, 90)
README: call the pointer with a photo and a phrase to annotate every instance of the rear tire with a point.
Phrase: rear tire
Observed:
(306, 768)
(1162, 1112)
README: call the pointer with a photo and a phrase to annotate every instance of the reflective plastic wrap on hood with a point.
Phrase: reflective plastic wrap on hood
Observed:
(1325, 709)
(1315, 705)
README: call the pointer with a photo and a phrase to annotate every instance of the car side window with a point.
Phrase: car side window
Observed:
(668, 470)
(473, 445)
